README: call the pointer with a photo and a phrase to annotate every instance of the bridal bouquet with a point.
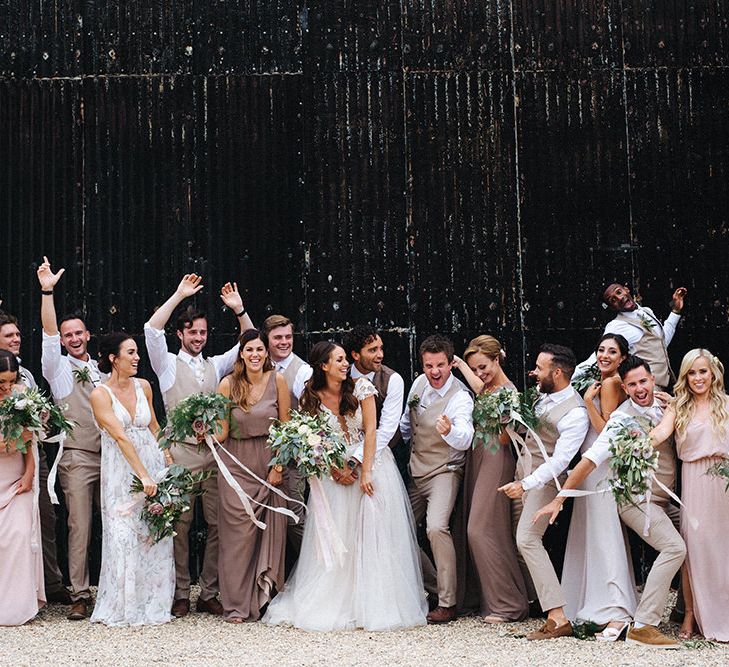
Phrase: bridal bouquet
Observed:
(307, 441)
(194, 417)
(633, 462)
(504, 408)
(175, 492)
(720, 469)
(30, 411)
(586, 378)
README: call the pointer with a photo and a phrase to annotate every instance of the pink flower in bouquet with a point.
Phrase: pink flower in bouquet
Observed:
(505, 418)
(634, 433)
(45, 415)
(319, 450)
(156, 508)
(199, 427)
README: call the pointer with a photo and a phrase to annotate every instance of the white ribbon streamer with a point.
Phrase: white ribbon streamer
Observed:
(51, 481)
(34, 524)
(525, 455)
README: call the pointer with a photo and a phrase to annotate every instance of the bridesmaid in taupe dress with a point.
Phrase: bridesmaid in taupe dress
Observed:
(251, 560)
(493, 580)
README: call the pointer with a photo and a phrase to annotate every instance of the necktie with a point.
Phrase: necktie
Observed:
(199, 369)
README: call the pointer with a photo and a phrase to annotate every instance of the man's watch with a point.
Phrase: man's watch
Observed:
(352, 464)
(278, 467)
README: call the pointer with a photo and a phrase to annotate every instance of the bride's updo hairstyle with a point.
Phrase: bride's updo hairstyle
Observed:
(310, 402)
(109, 345)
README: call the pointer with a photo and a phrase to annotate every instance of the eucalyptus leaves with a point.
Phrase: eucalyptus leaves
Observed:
(33, 413)
(633, 462)
(504, 408)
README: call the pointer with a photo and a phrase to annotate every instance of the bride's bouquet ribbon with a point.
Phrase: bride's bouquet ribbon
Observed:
(523, 455)
(329, 545)
(35, 537)
(246, 499)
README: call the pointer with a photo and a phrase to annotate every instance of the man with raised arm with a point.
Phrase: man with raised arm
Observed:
(72, 378)
(563, 425)
(53, 579)
(645, 410)
(181, 375)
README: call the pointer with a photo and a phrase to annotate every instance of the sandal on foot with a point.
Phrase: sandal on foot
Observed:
(612, 634)
(493, 619)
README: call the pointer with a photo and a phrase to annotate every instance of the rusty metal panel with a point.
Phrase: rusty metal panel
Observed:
(456, 34)
(355, 184)
(567, 34)
(659, 34)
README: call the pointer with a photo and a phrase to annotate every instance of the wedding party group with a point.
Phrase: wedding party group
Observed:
(312, 520)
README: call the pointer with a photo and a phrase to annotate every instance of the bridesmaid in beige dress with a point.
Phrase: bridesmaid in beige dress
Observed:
(251, 560)
(700, 418)
(493, 571)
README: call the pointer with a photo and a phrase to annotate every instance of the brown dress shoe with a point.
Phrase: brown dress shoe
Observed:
(61, 596)
(442, 615)
(650, 637)
(79, 610)
(180, 608)
(550, 630)
(211, 606)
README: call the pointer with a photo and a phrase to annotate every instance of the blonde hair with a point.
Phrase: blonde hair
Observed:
(486, 345)
(684, 404)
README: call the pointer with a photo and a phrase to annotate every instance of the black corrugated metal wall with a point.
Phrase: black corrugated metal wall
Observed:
(464, 166)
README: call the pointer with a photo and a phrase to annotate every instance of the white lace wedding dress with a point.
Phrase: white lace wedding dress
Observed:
(137, 580)
(379, 585)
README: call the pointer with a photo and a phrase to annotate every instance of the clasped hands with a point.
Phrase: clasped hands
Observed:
(348, 476)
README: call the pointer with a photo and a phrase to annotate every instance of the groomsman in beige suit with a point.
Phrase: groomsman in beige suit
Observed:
(181, 375)
(563, 425)
(643, 407)
(72, 377)
(438, 422)
(55, 590)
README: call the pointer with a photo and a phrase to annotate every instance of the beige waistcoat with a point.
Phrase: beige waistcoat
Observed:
(652, 348)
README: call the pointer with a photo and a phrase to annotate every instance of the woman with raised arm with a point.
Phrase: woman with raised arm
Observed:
(250, 559)
(492, 572)
(137, 579)
(377, 584)
(21, 557)
(597, 576)
(699, 416)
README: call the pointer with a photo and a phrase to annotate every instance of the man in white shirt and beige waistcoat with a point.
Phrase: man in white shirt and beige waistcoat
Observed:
(72, 377)
(563, 425)
(438, 422)
(181, 375)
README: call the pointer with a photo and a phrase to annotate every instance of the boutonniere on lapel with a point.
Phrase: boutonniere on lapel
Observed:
(647, 323)
(414, 402)
(82, 376)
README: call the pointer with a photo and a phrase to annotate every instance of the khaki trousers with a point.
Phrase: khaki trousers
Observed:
(197, 461)
(433, 498)
(53, 579)
(295, 487)
(664, 538)
(529, 543)
(79, 472)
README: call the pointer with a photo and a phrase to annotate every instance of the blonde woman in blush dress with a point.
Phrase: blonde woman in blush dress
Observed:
(699, 417)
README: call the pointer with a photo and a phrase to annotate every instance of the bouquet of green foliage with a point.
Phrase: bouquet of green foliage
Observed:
(175, 492)
(586, 378)
(193, 418)
(720, 469)
(30, 411)
(633, 461)
(504, 408)
(307, 441)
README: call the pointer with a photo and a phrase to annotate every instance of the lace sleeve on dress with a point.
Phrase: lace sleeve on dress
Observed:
(364, 388)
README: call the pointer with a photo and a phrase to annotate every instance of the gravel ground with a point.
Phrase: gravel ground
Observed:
(201, 639)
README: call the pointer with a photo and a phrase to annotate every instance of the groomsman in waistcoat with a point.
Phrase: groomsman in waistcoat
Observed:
(438, 422)
(181, 375)
(296, 372)
(641, 406)
(647, 337)
(563, 425)
(53, 579)
(72, 377)
(364, 347)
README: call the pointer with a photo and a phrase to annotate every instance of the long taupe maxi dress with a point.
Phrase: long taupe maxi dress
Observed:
(492, 581)
(250, 560)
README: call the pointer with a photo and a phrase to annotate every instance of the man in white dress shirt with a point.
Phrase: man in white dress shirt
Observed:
(638, 382)
(563, 425)
(647, 337)
(438, 422)
(10, 340)
(72, 378)
(181, 375)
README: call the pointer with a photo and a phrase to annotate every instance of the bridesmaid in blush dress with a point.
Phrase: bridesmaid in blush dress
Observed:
(700, 419)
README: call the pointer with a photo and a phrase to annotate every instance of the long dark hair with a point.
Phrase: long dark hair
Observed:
(109, 345)
(310, 402)
(9, 362)
(240, 385)
(620, 341)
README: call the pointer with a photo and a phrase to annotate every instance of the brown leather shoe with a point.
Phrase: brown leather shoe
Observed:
(650, 637)
(180, 608)
(211, 606)
(550, 630)
(61, 596)
(79, 610)
(442, 615)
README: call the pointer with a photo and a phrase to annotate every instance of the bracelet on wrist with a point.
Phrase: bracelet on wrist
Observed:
(242, 312)
(47, 292)
(675, 312)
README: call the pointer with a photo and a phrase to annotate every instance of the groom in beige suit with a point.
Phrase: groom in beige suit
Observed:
(438, 422)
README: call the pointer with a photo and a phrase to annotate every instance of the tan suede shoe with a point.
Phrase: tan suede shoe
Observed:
(550, 630)
(649, 636)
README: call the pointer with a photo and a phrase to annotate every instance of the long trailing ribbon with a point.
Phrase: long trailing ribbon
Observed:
(34, 523)
(51, 481)
(329, 545)
(245, 499)
(522, 450)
